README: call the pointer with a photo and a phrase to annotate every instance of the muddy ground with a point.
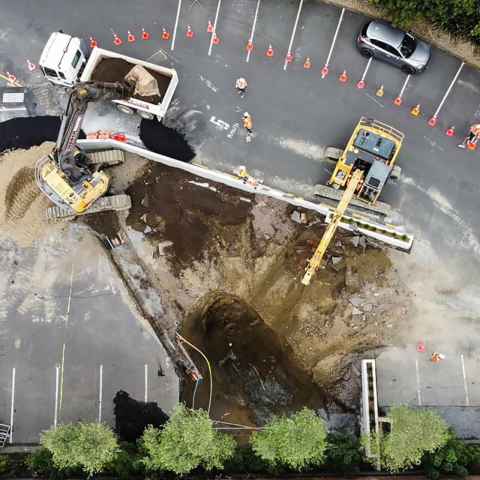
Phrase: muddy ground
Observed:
(232, 262)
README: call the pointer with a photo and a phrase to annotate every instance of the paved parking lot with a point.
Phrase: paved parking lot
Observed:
(69, 340)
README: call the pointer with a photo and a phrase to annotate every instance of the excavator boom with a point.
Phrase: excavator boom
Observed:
(316, 260)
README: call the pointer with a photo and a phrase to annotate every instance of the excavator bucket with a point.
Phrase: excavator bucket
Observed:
(145, 83)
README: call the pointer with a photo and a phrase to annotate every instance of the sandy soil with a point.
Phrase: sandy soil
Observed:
(22, 207)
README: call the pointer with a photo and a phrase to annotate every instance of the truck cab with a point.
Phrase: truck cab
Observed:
(63, 59)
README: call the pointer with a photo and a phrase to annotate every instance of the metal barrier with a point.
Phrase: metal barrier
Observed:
(4, 434)
(369, 407)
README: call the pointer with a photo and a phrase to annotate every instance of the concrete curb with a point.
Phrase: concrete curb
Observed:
(462, 49)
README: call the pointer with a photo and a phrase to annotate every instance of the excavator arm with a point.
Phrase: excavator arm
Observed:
(316, 260)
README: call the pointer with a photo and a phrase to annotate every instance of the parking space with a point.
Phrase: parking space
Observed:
(65, 321)
(405, 376)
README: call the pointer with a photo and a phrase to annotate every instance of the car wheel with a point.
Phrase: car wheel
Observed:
(408, 70)
(365, 52)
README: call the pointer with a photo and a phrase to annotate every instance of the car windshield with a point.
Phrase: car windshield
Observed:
(408, 45)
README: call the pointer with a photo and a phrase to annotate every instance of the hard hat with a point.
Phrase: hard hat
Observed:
(246, 114)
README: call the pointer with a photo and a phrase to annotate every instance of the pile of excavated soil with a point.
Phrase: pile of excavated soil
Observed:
(22, 205)
(26, 132)
(167, 141)
(133, 416)
(166, 205)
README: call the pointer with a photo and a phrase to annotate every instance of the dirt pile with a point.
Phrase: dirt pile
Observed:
(169, 206)
(133, 416)
(22, 206)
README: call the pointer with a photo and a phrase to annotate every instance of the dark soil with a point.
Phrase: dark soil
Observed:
(165, 206)
(164, 140)
(115, 70)
(254, 371)
(104, 223)
(133, 416)
(26, 132)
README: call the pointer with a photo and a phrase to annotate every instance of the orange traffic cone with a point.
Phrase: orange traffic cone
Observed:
(398, 101)
(165, 34)
(269, 52)
(117, 41)
(130, 37)
(307, 65)
(343, 78)
(415, 111)
(93, 42)
(189, 33)
(145, 35)
(210, 27)
(216, 39)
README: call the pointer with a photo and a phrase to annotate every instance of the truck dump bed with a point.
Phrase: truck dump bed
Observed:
(115, 69)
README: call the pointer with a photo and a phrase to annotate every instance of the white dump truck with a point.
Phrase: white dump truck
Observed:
(67, 60)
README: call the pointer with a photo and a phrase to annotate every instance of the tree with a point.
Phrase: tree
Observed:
(413, 433)
(89, 446)
(187, 441)
(296, 442)
(343, 453)
(454, 458)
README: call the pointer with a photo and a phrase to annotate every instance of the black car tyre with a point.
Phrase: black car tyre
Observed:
(365, 52)
(408, 70)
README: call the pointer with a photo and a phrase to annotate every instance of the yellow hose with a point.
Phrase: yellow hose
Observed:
(208, 365)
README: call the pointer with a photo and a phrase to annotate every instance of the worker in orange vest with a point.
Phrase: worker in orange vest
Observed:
(472, 137)
(248, 125)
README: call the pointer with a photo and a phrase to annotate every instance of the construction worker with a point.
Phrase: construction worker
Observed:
(241, 86)
(248, 125)
(472, 136)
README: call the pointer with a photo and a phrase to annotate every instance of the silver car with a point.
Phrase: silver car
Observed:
(382, 41)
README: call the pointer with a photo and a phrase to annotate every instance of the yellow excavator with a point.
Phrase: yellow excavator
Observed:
(68, 176)
(362, 169)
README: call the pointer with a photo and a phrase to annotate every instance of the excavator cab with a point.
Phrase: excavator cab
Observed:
(373, 148)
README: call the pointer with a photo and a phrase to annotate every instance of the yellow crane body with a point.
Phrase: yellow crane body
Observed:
(316, 260)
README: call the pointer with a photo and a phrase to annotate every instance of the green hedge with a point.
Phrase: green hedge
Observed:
(459, 17)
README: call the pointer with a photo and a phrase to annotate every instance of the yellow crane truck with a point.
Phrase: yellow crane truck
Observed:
(361, 171)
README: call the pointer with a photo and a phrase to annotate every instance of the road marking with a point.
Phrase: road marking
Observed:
(404, 86)
(220, 124)
(465, 383)
(174, 34)
(367, 67)
(378, 102)
(55, 413)
(12, 405)
(214, 33)
(100, 394)
(252, 32)
(146, 382)
(340, 20)
(419, 393)
(62, 369)
(292, 38)
(449, 89)
(70, 294)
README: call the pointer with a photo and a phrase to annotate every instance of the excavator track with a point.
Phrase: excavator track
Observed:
(107, 158)
(114, 202)
(380, 208)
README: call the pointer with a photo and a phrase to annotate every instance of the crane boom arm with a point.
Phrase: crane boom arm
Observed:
(316, 260)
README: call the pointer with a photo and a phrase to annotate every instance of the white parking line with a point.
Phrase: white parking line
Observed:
(419, 392)
(62, 370)
(146, 382)
(214, 33)
(55, 413)
(70, 293)
(340, 20)
(465, 383)
(449, 89)
(12, 405)
(252, 32)
(292, 38)
(404, 86)
(367, 67)
(174, 34)
(100, 394)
